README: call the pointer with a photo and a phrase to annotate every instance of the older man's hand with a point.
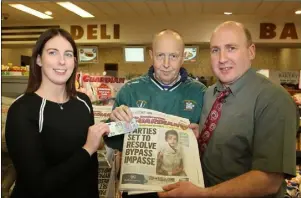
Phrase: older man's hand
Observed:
(121, 113)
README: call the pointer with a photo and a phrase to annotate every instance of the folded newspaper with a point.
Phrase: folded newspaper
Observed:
(163, 150)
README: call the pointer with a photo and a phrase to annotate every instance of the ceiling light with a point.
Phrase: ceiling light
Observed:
(30, 11)
(74, 8)
(227, 13)
(48, 13)
(298, 12)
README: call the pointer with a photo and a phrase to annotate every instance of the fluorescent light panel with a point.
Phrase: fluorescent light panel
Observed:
(30, 11)
(227, 13)
(298, 12)
(48, 13)
(74, 8)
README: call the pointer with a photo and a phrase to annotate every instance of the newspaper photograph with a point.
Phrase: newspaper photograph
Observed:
(161, 151)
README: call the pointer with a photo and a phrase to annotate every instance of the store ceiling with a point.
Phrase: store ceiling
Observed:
(112, 10)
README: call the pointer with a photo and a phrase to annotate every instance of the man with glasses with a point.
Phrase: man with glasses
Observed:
(166, 87)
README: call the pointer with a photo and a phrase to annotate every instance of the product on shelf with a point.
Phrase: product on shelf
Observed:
(101, 90)
(293, 186)
(10, 70)
(297, 98)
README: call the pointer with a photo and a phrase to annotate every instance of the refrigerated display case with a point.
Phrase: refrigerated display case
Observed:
(7, 169)
(12, 87)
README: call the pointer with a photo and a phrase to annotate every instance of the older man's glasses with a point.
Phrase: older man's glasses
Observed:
(171, 57)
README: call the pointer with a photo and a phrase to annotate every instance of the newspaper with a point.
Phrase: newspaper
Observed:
(106, 176)
(101, 113)
(163, 150)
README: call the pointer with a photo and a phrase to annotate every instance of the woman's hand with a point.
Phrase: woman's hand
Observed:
(94, 136)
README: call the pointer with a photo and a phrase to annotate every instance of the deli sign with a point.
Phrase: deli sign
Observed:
(93, 32)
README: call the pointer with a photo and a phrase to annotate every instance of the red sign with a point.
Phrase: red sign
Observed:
(104, 91)
(102, 79)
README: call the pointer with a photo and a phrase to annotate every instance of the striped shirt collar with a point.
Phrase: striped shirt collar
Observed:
(182, 78)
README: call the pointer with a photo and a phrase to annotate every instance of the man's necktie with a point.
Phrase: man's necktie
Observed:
(212, 120)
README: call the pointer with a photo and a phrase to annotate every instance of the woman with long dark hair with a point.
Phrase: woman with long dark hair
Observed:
(50, 131)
